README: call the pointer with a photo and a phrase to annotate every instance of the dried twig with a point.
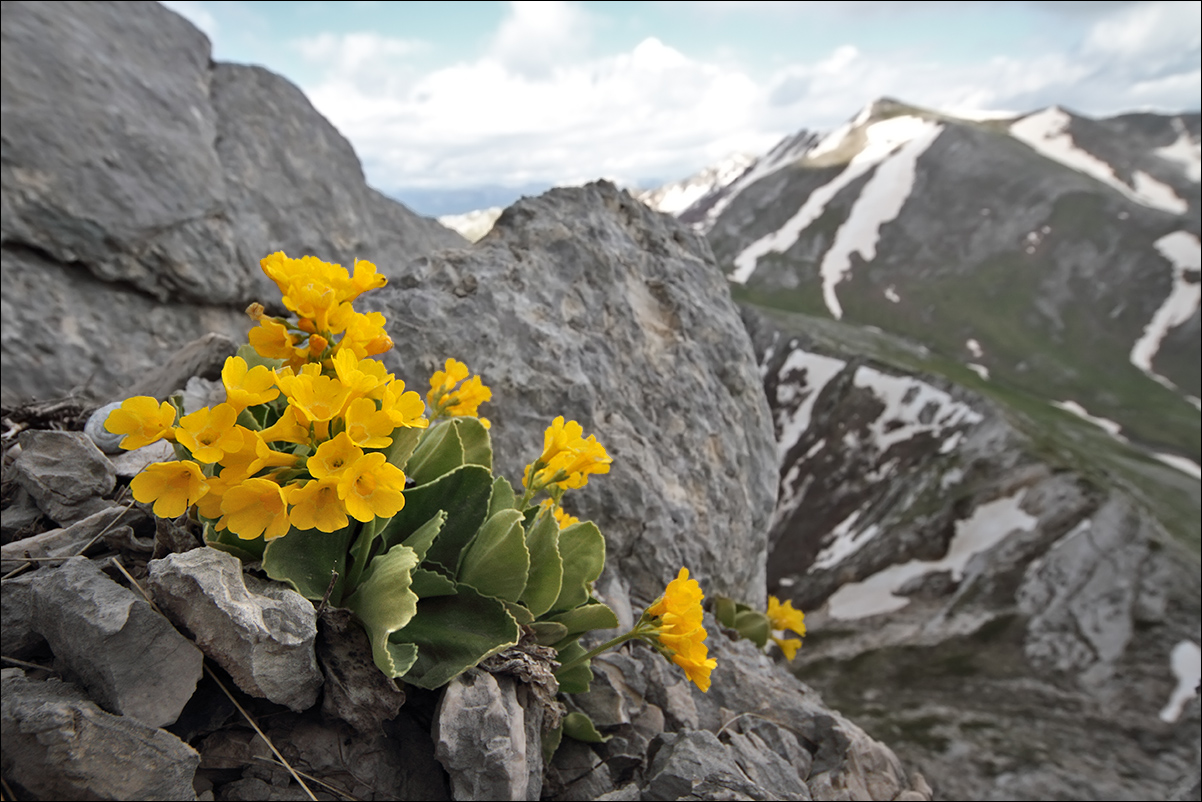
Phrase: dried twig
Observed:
(24, 664)
(116, 562)
(29, 561)
(8, 792)
(335, 789)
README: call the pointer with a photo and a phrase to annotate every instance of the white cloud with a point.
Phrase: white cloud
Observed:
(536, 107)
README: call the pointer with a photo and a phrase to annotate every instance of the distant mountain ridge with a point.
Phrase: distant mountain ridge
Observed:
(1050, 251)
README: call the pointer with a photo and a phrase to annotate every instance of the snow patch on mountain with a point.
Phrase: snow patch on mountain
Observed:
(844, 541)
(677, 196)
(989, 524)
(880, 201)
(912, 407)
(1184, 251)
(1184, 151)
(883, 139)
(784, 153)
(1047, 132)
(1183, 464)
(472, 225)
(1107, 425)
(1185, 661)
(799, 381)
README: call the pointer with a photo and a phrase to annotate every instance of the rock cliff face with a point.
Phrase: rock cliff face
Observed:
(1007, 596)
(141, 184)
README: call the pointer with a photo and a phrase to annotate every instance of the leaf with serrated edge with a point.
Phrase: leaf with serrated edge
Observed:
(385, 602)
(428, 584)
(404, 440)
(502, 498)
(586, 618)
(454, 633)
(582, 549)
(462, 494)
(421, 540)
(546, 568)
(477, 446)
(579, 726)
(548, 633)
(497, 562)
(578, 679)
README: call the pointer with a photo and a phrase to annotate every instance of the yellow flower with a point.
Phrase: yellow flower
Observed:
(363, 377)
(784, 617)
(272, 340)
(255, 507)
(246, 386)
(446, 399)
(371, 488)
(365, 335)
(333, 457)
(254, 455)
(172, 486)
(316, 397)
(568, 458)
(681, 630)
(143, 420)
(290, 428)
(315, 504)
(403, 408)
(561, 517)
(365, 278)
(209, 433)
(367, 426)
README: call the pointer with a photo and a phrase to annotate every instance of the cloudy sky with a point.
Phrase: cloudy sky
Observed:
(454, 105)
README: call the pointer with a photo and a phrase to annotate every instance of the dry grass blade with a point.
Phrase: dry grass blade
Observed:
(8, 792)
(332, 788)
(14, 661)
(30, 561)
(254, 725)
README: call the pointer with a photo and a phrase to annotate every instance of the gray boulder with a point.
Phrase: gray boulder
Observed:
(65, 473)
(141, 185)
(127, 656)
(60, 745)
(586, 304)
(261, 632)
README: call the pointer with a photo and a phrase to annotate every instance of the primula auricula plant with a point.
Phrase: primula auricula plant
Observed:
(760, 627)
(346, 486)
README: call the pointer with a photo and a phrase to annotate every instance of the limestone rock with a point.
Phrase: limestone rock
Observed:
(66, 542)
(135, 211)
(696, 765)
(18, 638)
(128, 657)
(480, 737)
(60, 745)
(261, 632)
(65, 473)
(586, 304)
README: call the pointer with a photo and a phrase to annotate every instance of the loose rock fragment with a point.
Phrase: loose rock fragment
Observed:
(356, 691)
(65, 542)
(128, 657)
(261, 632)
(65, 473)
(60, 745)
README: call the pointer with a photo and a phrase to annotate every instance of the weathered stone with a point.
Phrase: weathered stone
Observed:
(20, 518)
(766, 768)
(577, 773)
(480, 739)
(586, 304)
(696, 765)
(67, 542)
(135, 213)
(261, 632)
(65, 473)
(128, 657)
(129, 464)
(629, 792)
(201, 358)
(17, 637)
(60, 745)
(356, 691)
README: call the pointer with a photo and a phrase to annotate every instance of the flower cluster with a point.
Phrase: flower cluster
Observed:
(680, 629)
(451, 396)
(299, 444)
(783, 617)
(567, 460)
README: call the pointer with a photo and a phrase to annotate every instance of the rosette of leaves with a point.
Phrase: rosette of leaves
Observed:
(750, 623)
(459, 574)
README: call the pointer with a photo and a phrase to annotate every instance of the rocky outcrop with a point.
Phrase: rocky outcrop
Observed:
(141, 184)
(1007, 599)
(586, 304)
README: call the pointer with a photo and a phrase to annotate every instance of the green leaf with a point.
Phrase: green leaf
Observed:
(551, 739)
(404, 440)
(724, 611)
(754, 626)
(548, 633)
(421, 540)
(502, 498)
(428, 584)
(578, 679)
(248, 551)
(582, 549)
(438, 452)
(520, 613)
(579, 726)
(496, 562)
(586, 618)
(477, 446)
(253, 359)
(546, 568)
(454, 633)
(384, 603)
(307, 558)
(463, 494)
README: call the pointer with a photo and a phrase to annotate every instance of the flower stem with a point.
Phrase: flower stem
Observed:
(640, 629)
